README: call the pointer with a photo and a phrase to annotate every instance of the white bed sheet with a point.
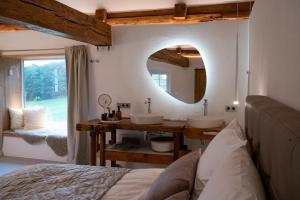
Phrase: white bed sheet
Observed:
(133, 184)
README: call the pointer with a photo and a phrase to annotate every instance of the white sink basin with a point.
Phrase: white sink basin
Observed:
(146, 118)
(205, 121)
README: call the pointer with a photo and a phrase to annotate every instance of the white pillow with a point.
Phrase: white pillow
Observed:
(234, 124)
(235, 178)
(35, 118)
(221, 146)
(16, 118)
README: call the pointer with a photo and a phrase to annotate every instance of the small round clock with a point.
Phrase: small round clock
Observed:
(104, 100)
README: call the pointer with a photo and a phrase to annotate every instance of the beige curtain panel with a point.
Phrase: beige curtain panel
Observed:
(77, 78)
(10, 91)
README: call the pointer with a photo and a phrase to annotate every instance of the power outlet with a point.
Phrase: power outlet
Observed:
(233, 108)
(229, 108)
(124, 105)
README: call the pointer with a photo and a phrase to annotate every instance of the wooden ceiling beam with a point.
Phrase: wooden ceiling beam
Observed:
(170, 57)
(221, 8)
(189, 53)
(55, 18)
(194, 14)
(10, 28)
(166, 19)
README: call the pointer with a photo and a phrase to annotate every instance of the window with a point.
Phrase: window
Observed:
(161, 80)
(44, 85)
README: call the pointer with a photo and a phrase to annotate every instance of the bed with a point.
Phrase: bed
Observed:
(273, 133)
(56, 181)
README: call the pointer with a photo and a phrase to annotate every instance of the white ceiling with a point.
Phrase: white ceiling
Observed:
(89, 6)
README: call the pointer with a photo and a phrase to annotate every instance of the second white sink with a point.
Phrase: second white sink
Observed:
(146, 118)
(205, 121)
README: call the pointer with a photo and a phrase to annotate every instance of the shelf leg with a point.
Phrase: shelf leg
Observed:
(94, 142)
(98, 144)
(113, 141)
(102, 148)
(176, 145)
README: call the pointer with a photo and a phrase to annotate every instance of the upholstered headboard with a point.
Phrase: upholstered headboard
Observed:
(273, 131)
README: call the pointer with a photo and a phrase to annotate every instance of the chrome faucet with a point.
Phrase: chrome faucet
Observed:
(205, 104)
(148, 101)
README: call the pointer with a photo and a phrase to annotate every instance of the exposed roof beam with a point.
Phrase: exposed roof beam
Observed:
(10, 28)
(55, 18)
(189, 53)
(170, 57)
(194, 14)
(165, 19)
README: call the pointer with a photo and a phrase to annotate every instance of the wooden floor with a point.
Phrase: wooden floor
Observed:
(9, 164)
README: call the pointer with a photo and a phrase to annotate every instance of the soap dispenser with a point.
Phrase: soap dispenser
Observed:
(119, 113)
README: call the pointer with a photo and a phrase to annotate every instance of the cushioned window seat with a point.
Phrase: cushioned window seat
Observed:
(10, 133)
(56, 139)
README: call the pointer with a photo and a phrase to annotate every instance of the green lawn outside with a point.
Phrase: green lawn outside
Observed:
(57, 108)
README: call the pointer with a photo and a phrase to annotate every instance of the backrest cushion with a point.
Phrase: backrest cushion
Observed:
(16, 118)
(35, 118)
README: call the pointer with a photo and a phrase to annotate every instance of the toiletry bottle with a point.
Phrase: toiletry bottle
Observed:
(109, 116)
(104, 116)
(119, 113)
(114, 115)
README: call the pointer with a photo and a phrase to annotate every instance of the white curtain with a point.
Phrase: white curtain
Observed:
(10, 91)
(77, 78)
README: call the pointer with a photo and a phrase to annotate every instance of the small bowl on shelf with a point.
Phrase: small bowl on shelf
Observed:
(162, 144)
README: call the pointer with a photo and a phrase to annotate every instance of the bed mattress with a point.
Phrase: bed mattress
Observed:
(68, 181)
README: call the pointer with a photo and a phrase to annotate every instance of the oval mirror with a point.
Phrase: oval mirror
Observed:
(179, 71)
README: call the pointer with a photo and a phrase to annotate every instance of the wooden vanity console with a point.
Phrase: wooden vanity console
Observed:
(179, 129)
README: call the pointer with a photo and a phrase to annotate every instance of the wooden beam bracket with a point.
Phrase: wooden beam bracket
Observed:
(101, 15)
(180, 11)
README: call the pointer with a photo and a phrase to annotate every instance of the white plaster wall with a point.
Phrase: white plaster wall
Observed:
(131, 5)
(274, 50)
(243, 69)
(23, 40)
(122, 71)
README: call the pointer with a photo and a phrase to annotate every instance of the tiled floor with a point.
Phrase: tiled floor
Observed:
(9, 164)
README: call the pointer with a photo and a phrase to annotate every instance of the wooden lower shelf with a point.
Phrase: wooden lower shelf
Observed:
(144, 155)
(138, 157)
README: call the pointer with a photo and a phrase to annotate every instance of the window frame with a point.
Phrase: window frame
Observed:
(32, 58)
(167, 82)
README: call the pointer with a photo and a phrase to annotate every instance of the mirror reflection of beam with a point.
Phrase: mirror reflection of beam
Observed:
(188, 53)
(171, 57)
